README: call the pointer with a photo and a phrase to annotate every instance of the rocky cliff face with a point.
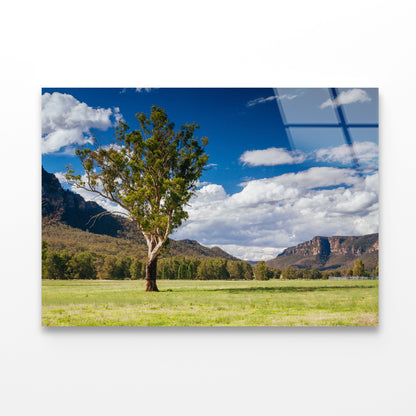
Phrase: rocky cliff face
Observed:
(329, 252)
(71, 209)
(339, 245)
(318, 246)
(65, 207)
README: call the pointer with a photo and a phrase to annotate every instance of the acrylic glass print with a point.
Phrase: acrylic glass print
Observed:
(210, 207)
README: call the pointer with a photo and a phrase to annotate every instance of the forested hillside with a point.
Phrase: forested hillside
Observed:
(69, 223)
(61, 237)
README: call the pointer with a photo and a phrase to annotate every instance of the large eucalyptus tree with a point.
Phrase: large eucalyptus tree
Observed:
(151, 173)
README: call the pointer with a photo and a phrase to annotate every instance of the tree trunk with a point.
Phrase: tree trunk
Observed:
(151, 268)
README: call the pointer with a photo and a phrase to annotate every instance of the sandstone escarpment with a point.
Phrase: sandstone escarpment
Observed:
(329, 252)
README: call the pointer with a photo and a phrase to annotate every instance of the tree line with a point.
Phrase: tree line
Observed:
(91, 265)
(262, 272)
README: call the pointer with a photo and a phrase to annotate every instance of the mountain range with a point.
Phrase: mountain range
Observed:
(67, 224)
(325, 253)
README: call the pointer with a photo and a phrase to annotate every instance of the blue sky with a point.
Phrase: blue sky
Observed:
(268, 186)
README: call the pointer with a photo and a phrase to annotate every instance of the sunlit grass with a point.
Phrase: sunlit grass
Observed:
(210, 303)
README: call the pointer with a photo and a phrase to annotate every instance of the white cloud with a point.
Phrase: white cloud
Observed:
(139, 90)
(283, 211)
(144, 89)
(67, 121)
(200, 184)
(262, 100)
(117, 115)
(66, 151)
(268, 215)
(114, 146)
(354, 95)
(211, 193)
(366, 152)
(318, 177)
(61, 177)
(271, 157)
(251, 252)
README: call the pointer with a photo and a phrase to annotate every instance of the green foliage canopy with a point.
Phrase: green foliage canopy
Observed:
(151, 173)
(261, 271)
(81, 266)
(358, 269)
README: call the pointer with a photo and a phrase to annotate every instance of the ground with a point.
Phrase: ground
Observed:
(210, 303)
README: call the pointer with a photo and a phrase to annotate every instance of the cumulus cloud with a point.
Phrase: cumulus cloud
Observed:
(283, 211)
(262, 100)
(114, 146)
(200, 184)
(354, 95)
(272, 156)
(139, 90)
(61, 177)
(211, 193)
(117, 115)
(67, 121)
(252, 252)
(366, 152)
(316, 177)
(268, 215)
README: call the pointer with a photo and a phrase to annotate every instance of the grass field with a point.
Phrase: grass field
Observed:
(210, 303)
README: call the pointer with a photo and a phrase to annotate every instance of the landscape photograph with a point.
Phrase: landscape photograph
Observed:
(210, 207)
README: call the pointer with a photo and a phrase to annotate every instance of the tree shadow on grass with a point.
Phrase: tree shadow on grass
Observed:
(285, 289)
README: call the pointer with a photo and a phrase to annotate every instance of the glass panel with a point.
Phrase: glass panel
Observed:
(360, 105)
(306, 105)
(313, 138)
(364, 135)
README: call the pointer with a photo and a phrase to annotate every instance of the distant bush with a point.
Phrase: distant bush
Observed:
(277, 273)
(81, 266)
(240, 270)
(358, 269)
(56, 265)
(122, 268)
(116, 268)
(312, 274)
(290, 273)
(261, 271)
(213, 269)
(137, 269)
(108, 268)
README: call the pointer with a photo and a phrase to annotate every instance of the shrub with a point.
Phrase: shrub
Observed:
(290, 273)
(261, 271)
(136, 270)
(81, 266)
(57, 265)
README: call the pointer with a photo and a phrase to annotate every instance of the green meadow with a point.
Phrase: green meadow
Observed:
(210, 303)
